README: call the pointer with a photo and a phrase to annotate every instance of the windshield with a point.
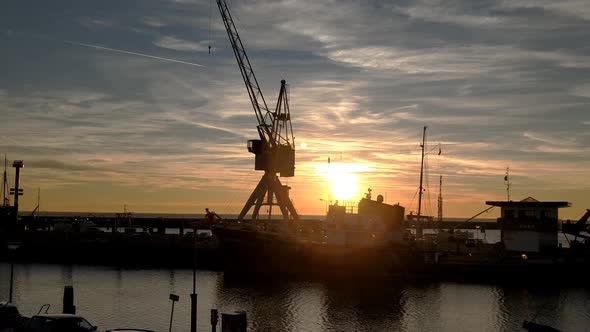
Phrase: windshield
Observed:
(71, 324)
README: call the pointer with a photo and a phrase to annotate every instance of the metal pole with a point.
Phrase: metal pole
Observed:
(16, 191)
(421, 189)
(421, 174)
(171, 316)
(194, 294)
(4, 185)
(11, 278)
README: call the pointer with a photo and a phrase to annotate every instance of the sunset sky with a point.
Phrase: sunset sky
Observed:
(498, 83)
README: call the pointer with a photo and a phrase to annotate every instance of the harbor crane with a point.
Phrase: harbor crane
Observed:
(275, 150)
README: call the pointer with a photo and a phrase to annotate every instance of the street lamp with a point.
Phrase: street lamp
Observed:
(323, 200)
(12, 246)
(194, 294)
(174, 299)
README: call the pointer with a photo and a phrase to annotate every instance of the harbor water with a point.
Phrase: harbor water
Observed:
(116, 298)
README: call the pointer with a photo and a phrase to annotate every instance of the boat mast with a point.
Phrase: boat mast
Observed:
(440, 202)
(423, 145)
(5, 201)
(507, 180)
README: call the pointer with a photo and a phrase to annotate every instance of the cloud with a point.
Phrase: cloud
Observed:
(574, 8)
(153, 22)
(464, 61)
(177, 44)
(582, 90)
(555, 140)
(498, 83)
(61, 166)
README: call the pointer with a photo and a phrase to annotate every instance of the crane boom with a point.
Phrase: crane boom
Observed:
(263, 115)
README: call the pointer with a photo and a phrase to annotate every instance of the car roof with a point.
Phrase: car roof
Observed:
(58, 316)
(7, 304)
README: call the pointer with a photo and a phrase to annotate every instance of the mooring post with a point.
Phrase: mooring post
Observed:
(236, 322)
(68, 301)
(11, 278)
(214, 319)
(193, 312)
(12, 247)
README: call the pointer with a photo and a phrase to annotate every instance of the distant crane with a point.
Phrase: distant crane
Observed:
(275, 150)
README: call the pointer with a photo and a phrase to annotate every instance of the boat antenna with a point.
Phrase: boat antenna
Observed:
(440, 201)
(507, 181)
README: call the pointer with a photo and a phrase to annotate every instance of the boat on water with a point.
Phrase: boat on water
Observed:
(371, 241)
(9, 213)
(375, 242)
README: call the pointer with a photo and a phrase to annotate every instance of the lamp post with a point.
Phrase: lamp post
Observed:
(194, 294)
(12, 246)
(174, 299)
(326, 202)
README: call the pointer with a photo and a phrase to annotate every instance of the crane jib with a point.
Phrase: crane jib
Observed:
(263, 115)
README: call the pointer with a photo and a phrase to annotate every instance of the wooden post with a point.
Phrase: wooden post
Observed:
(68, 301)
(214, 319)
(236, 322)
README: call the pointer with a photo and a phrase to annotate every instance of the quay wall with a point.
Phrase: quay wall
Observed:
(113, 249)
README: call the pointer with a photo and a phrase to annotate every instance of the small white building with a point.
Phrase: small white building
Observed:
(529, 225)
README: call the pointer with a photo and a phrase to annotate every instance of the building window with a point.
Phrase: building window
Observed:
(548, 214)
(529, 213)
(508, 214)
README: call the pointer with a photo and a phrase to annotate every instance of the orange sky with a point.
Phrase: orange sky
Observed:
(98, 128)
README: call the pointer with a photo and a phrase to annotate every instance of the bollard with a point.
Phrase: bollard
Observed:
(68, 302)
(214, 319)
(193, 312)
(236, 322)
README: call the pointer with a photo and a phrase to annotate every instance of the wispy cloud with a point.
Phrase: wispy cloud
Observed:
(174, 43)
(499, 83)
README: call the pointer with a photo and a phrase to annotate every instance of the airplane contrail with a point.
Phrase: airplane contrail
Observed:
(132, 53)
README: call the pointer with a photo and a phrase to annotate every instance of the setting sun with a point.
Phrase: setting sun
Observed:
(342, 178)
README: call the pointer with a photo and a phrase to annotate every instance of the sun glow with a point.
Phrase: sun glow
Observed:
(342, 178)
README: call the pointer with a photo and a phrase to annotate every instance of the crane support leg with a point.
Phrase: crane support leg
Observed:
(258, 205)
(269, 185)
(256, 196)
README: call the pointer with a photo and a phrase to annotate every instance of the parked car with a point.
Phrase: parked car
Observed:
(59, 323)
(10, 318)
(129, 330)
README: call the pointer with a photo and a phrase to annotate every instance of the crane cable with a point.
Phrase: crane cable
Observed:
(210, 18)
